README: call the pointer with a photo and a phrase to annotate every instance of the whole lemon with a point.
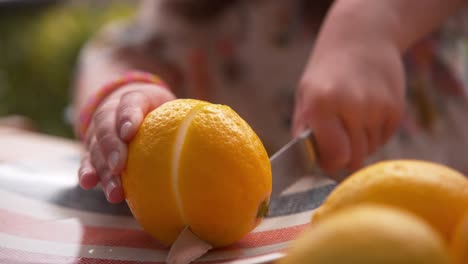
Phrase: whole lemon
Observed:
(200, 165)
(432, 191)
(459, 243)
(369, 234)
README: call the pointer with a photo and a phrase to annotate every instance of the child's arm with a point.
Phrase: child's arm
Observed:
(116, 119)
(352, 91)
(398, 22)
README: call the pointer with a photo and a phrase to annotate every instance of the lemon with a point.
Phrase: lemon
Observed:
(459, 243)
(434, 192)
(369, 234)
(200, 165)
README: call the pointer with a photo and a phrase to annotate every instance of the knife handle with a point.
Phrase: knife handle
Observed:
(313, 152)
(309, 137)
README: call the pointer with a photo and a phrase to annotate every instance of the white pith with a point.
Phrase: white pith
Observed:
(179, 143)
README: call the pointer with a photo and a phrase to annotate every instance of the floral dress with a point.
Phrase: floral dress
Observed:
(251, 55)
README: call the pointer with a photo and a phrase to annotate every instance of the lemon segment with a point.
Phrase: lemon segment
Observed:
(226, 179)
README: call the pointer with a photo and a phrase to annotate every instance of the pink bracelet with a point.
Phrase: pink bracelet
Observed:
(86, 113)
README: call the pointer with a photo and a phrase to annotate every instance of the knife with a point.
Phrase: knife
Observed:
(296, 159)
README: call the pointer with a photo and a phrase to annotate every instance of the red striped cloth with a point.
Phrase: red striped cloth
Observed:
(46, 218)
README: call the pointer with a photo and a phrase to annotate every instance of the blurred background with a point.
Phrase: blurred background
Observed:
(39, 44)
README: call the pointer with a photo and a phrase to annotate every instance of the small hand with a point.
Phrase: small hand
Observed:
(114, 123)
(352, 97)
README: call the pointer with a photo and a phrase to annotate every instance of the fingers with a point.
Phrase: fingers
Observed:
(110, 182)
(372, 140)
(359, 148)
(99, 163)
(348, 127)
(333, 142)
(334, 145)
(130, 113)
(113, 125)
(117, 121)
(87, 175)
(134, 106)
(380, 127)
(108, 152)
(114, 191)
(345, 138)
(391, 123)
(112, 148)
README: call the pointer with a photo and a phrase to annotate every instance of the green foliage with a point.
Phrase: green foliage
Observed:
(38, 52)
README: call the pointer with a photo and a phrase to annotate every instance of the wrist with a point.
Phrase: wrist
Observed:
(360, 23)
(130, 87)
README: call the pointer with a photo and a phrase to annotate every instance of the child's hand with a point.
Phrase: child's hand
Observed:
(352, 97)
(114, 124)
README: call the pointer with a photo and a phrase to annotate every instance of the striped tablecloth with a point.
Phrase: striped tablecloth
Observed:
(46, 218)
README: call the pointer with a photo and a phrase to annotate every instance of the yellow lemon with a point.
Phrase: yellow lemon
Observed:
(459, 244)
(434, 192)
(369, 234)
(200, 165)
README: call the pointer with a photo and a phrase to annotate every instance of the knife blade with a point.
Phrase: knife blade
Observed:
(296, 159)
